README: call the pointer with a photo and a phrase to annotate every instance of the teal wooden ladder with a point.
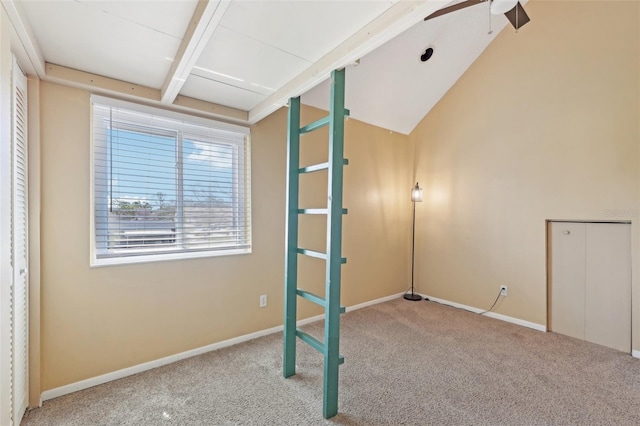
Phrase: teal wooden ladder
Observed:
(334, 211)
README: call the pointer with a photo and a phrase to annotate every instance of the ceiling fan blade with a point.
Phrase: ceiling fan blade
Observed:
(517, 16)
(453, 8)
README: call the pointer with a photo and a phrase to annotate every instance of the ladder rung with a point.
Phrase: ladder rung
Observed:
(314, 168)
(315, 343)
(318, 211)
(316, 299)
(315, 125)
(318, 167)
(312, 253)
(320, 123)
(318, 254)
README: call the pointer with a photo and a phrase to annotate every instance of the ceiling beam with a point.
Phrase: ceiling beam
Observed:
(205, 19)
(25, 34)
(108, 86)
(395, 20)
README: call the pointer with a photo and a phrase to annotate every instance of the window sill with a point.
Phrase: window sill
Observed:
(115, 261)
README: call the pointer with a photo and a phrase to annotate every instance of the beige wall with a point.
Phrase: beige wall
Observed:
(33, 101)
(544, 125)
(96, 321)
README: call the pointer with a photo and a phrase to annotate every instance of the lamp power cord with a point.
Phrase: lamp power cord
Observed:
(494, 304)
(469, 310)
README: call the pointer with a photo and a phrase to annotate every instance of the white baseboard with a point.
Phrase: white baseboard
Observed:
(374, 302)
(94, 381)
(119, 374)
(501, 317)
(518, 321)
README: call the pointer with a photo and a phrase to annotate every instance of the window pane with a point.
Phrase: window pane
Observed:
(209, 194)
(142, 190)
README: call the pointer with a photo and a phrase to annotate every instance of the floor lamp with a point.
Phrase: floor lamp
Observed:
(416, 197)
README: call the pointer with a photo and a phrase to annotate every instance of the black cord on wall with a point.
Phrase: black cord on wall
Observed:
(468, 310)
(494, 304)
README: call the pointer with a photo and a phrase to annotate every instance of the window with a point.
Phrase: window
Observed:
(167, 185)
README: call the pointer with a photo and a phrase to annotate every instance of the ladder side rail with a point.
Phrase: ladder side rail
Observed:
(291, 238)
(334, 246)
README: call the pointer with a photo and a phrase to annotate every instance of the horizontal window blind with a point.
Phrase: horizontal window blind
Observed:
(167, 183)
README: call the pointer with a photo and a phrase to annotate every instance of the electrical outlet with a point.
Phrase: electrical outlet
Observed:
(503, 290)
(263, 300)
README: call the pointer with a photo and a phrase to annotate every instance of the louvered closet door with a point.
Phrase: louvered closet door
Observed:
(20, 289)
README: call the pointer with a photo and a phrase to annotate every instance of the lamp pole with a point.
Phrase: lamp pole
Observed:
(416, 196)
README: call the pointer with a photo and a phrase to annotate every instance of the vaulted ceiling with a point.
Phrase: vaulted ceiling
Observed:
(241, 60)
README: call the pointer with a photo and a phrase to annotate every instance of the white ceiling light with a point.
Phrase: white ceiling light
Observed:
(498, 7)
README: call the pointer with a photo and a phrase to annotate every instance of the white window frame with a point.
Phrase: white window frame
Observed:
(243, 179)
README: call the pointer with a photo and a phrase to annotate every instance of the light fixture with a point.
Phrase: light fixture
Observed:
(498, 7)
(426, 54)
(416, 194)
(416, 197)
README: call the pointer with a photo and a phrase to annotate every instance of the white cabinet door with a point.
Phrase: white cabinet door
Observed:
(590, 287)
(567, 278)
(608, 285)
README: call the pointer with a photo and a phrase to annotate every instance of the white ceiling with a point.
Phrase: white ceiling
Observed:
(117, 39)
(392, 88)
(260, 46)
(253, 55)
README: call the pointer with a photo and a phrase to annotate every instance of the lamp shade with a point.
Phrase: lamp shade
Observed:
(416, 193)
(498, 7)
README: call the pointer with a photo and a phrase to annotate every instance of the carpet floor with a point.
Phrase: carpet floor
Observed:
(406, 363)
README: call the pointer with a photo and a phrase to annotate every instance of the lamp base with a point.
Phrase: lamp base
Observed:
(413, 297)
